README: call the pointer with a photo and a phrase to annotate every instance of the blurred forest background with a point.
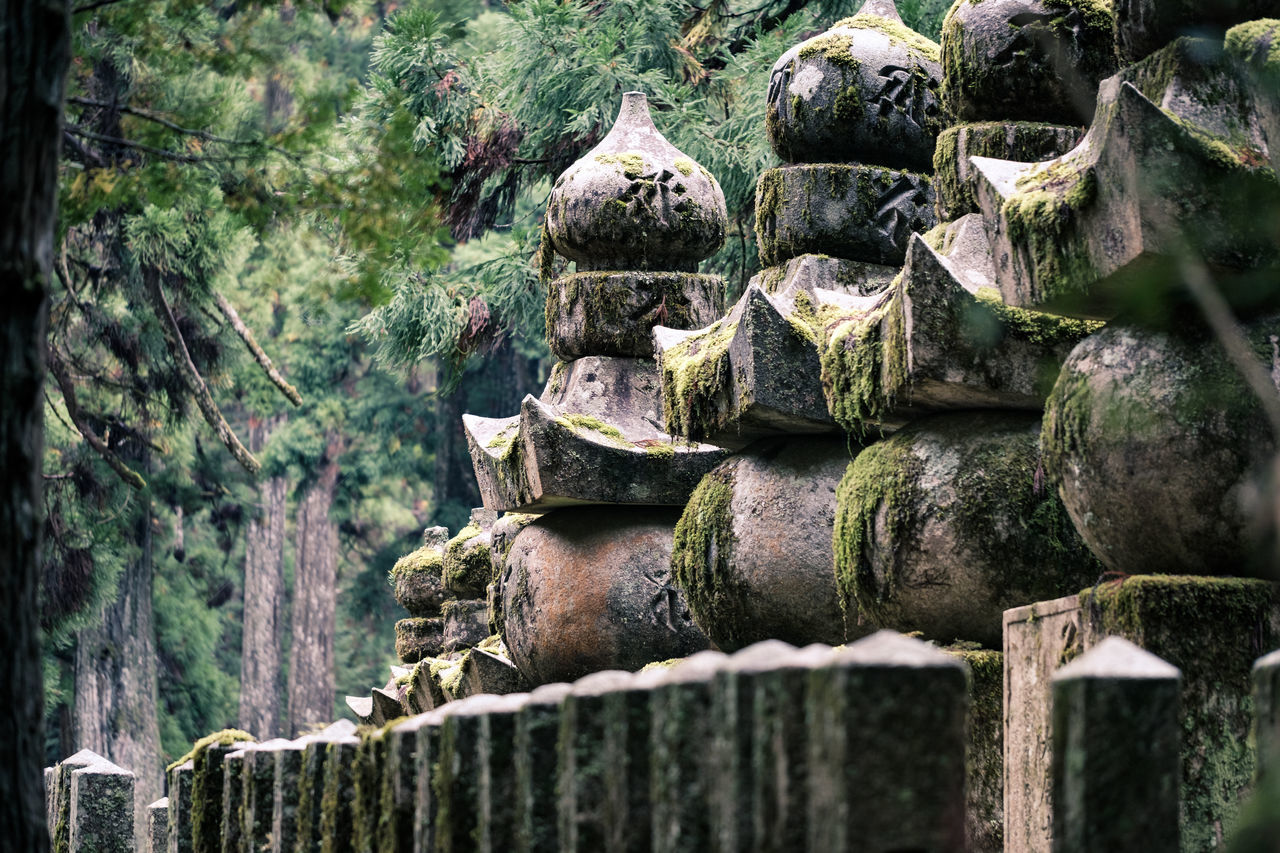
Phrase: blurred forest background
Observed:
(296, 241)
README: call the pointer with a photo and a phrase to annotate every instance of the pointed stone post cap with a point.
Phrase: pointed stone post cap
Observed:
(889, 648)
(1114, 658)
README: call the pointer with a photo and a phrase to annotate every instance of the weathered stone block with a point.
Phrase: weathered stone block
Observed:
(680, 767)
(455, 783)
(1145, 26)
(367, 771)
(157, 827)
(397, 795)
(181, 776)
(948, 523)
(887, 748)
(590, 588)
(864, 213)
(984, 750)
(613, 313)
(339, 793)
(583, 772)
(753, 547)
(941, 338)
(486, 672)
(759, 779)
(311, 782)
(1115, 751)
(866, 90)
(58, 798)
(1210, 628)
(596, 415)
(498, 819)
(285, 795)
(1026, 59)
(208, 756)
(466, 623)
(426, 757)
(537, 769)
(419, 637)
(1154, 440)
(1175, 162)
(954, 179)
(259, 793)
(101, 809)
(233, 794)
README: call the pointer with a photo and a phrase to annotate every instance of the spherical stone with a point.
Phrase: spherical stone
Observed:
(866, 90)
(635, 202)
(1032, 60)
(416, 581)
(1154, 440)
(613, 313)
(587, 589)
(950, 522)
(861, 213)
(1025, 142)
(753, 547)
(419, 637)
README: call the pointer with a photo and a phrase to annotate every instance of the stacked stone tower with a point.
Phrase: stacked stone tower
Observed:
(587, 585)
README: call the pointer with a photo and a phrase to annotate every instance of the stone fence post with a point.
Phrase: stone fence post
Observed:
(90, 805)
(1116, 757)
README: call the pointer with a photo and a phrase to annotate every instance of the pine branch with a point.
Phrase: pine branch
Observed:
(191, 376)
(246, 334)
(186, 131)
(59, 372)
(162, 153)
(97, 4)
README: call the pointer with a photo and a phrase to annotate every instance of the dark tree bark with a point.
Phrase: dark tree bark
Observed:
(311, 678)
(117, 694)
(260, 655)
(35, 44)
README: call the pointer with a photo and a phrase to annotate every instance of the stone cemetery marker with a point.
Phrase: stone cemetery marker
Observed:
(181, 777)
(1116, 761)
(1266, 703)
(158, 826)
(887, 748)
(537, 768)
(101, 809)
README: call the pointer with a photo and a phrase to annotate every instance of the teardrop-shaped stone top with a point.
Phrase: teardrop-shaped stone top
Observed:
(866, 91)
(635, 202)
(1027, 60)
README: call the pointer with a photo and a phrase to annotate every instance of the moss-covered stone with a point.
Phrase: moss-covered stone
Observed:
(339, 794)
(700, 558)
(467, 565)
(207, 756)
(1025, 142)
(417, 579)
(1212, 629)
(864, 364)
(368, 769)
(613, 313)
(694, 373)
(419, 637)
(954, 508)
(984, 749)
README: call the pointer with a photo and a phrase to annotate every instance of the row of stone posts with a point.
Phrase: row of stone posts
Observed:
(772, 748)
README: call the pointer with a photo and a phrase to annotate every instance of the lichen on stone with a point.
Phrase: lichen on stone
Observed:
(1042, 219)
(700, 560)
(695, 377)
(631, 163)
(864, 363)
(577, 422)
(899, 33)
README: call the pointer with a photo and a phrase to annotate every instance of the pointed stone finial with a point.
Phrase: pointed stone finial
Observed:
(636, 202)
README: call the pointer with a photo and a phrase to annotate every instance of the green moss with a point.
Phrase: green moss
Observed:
(684, 166)
(864, 364)
(206, 786)
(1042, 223)
(935, 237)
(661, 450)
(1031, 142)
(631, 164)
(896, 32)
(695, 377)
(1212, 629)
(337, 801)
(879, 491)
(1096, 15)
(1035, 326)
(576, 422)
(503, 438)
(466, 568)
(425, 559)
(836, 48)
(367, 771)
(984, 745)
(700, 559)
(1257, 44)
